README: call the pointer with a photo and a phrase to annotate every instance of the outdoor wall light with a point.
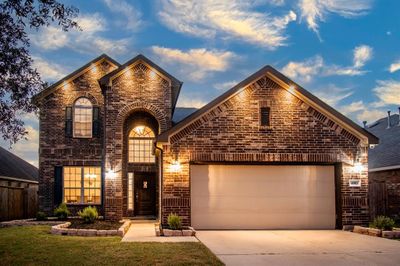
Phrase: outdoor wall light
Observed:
(358, 167)
(175, 166)
(152, 74)
(111, 174)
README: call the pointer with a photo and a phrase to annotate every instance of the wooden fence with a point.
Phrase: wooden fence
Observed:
(18, 200)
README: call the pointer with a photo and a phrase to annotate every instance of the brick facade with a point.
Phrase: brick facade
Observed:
(298, 134)
(229, 132)
(55, 149)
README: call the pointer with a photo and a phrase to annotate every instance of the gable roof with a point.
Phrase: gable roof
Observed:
(71, 76)
(387, 153)
(285, 83)
(175, 83)
(14, 167)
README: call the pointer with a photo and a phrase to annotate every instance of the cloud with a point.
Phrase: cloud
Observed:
(197, 63)
(305, 70)
(48, 71)
(395, 66)
(49, 38)
(229, 19)
(132, 16)
(89, 40)
(332, 95)
(362, 54)
(370, 115)
(190, 102)
(388, 92)
(352, 107)
(225, 85)
(316, 11)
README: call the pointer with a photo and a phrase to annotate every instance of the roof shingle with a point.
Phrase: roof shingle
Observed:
(13, 166)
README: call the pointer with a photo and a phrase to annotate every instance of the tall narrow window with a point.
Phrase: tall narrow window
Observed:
(130, 191)
(83, 115)
(82, 185)
(141, 140)
(265, 116)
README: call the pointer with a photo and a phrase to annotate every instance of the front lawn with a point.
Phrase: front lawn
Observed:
(34, 245)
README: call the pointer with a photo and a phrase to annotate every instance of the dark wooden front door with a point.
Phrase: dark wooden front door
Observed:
(145, 194)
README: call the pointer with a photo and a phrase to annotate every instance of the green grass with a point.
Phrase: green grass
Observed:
(34, 245)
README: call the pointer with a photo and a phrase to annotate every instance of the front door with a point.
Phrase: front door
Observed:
(145, 194)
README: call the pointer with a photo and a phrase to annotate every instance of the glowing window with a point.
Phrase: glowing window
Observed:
(130, 191)
(83, 115)
(82, 185)
(140, 144)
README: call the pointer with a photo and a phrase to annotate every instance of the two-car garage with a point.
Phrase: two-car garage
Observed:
(262, 196)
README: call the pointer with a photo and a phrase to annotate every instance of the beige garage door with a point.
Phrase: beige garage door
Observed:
(262, 197)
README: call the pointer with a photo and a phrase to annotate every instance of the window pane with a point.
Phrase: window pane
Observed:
(141, 145)
(130, 191)
(91, 178)
(83, 115)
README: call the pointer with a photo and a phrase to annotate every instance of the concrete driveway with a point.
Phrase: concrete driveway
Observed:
(325, 247)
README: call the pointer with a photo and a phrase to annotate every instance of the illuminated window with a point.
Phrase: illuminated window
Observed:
(141, 140)
(130, 191)
(83, 115)
(82, 185)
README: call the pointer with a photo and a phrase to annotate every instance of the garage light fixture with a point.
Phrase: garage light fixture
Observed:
(111, 174)
(175, 166)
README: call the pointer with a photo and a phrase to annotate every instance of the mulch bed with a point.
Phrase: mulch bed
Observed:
(98, 225)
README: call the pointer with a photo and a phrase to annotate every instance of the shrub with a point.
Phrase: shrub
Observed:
(174, 221)
(62, 211)
(41, 216)
(383, 223)
(89, 214)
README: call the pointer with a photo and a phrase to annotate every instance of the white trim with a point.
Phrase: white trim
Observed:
(18, 179)
(384, 168)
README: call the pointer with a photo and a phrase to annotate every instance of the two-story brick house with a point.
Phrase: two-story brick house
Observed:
(265, 154)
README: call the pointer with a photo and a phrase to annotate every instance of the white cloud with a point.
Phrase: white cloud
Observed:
(388, 91)
(362, 54)
(304, 71)
(316, 11)
(88, 40)
(198, 63)
(352, 107)
(332, 94)
(229, 19)
(225, 85)
(370, 115)
(132, 16)
(190, 102)
(49, 38)
(48, 71)
(395, 66)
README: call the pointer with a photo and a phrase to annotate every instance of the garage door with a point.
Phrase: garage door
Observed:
(262, 197)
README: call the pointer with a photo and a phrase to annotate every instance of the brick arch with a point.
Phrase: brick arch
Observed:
(71, 99)
(143, 106)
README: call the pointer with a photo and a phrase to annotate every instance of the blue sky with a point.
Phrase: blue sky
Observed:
(344, 51)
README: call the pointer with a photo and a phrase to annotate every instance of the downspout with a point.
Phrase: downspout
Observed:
(160, 171)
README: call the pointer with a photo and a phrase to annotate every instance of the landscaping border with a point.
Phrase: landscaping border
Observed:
(187, 231)
(62, 229)
(377, 232)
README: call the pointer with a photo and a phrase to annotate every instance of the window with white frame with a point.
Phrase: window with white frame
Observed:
(141, 139)
(83, 116)
(82, 185)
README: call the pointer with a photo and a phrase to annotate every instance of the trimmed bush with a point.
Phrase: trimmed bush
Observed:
(174, 221)
(41, 216)
(89, 214)
(62, 211)
(383, 223)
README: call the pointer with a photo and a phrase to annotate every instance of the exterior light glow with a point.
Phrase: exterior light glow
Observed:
(152, 74)
(139, 130)
(94, 69)
(176, 166)
(358, 167)
(291, 88)
(111, 174)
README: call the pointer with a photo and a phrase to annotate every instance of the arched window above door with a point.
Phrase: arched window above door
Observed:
(140, 145)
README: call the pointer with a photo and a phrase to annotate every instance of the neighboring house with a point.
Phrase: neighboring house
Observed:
(384, 167)
(18, 187)
(265, 154)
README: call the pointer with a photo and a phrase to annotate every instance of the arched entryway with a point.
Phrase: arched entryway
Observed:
(140, 165)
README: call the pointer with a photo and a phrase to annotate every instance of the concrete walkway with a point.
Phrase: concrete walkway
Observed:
(325, 247)
(145, 232)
